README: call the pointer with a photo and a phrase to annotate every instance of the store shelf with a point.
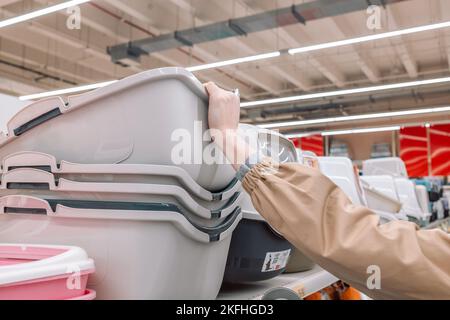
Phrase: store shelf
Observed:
(437, 224)
(303, 283)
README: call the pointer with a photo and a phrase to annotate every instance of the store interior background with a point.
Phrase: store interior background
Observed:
(424, 149)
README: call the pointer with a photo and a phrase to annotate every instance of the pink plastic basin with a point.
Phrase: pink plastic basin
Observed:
(88, 295)
(43, 272)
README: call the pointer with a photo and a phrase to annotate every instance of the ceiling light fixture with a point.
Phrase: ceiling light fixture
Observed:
(344, 92)
(263, 56)
(372, 37)
(301, 135)
(66, 91)
(41, 12)
(354, 131)
(191, 69)
(392, 114)
(234, 61)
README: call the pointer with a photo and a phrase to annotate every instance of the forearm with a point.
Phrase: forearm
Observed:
(234, 147)
(316, 216)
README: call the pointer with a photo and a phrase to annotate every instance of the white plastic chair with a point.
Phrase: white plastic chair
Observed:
(407, 194)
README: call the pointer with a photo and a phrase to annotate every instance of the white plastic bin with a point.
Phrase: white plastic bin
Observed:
(400, 189)
(340, 170)
(407, 194)
(422, 197)
(446, 191)
(143, 253)
(142, 119)
(385, 166)
(377, 200)
(382, 183)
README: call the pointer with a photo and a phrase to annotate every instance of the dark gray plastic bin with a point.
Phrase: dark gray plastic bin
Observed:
(252, 244)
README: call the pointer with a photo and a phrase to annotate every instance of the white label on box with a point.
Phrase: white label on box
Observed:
(275, 260)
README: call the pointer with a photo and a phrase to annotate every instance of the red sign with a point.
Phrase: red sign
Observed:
(311, 143)
(414, 150)
(418, 145)
(440, 150)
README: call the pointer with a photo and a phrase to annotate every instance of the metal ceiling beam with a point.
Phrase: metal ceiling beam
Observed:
(364, 62)
(108, 28)
(283, 73)
(37, 29)
(40, 60)
(115, 29)
(134, 8)
(4, 3)
(261, 82)
(448, 55)
(13, 84)
(400, 47)
(27, 47)
(328, 69)
(269, 84)
(443, 10)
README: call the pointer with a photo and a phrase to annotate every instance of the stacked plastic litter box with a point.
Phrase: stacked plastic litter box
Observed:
(97, 171)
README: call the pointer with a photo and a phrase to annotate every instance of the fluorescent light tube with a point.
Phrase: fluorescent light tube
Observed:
(345, 92)
(301, 135)
(269, 55)
(373, 37)
(191, 69)
(354, 131)
(41, 12)
(66, 91)
(234, 61)
(392, 114)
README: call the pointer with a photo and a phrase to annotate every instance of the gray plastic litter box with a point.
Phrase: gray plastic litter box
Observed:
(137, 120)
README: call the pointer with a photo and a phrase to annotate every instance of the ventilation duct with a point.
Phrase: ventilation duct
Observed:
(129, 53)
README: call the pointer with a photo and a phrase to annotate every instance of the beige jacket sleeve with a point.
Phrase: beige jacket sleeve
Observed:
(345, 239)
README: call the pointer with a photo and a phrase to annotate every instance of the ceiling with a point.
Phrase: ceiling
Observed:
(44, 54)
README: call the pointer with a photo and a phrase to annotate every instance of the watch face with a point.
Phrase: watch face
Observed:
(277, 147)
(269, 143)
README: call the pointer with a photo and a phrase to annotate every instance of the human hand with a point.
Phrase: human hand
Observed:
(223, 117)
(224, 110)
